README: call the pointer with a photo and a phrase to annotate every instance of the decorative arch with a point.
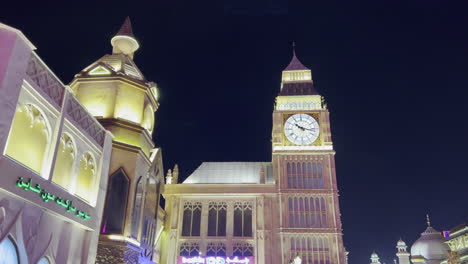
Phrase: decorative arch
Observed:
(137, 205)
(63, 169)
(148, 118)
(9, 251)
(116, 203)
(44, 260)
(85, 182)
(29, 137)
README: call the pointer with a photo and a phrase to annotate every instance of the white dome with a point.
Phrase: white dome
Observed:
(401, 243)
(430, 245)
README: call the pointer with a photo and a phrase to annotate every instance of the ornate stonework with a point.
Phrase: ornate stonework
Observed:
(77, 113)
(44, 79)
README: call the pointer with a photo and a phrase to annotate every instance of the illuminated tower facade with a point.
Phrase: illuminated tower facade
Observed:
(115, 91)
(402, 254)
(304, 168)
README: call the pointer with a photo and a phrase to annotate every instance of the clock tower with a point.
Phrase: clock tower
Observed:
(304, 167)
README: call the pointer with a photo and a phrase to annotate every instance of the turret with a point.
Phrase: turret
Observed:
(375, 258)
(124, 41)
(402, 254)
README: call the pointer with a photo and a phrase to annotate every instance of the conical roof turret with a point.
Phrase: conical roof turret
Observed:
(295, 64)
(124, 41)
(126, 29)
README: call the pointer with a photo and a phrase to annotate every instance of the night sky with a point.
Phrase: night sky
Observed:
(395, 77)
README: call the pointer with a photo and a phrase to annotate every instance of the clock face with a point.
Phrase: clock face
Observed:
(301, 129)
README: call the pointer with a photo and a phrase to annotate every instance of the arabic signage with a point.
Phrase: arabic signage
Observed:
(46, 197)
(215, 260)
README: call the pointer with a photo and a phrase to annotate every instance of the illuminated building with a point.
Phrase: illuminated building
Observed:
(457, 240)
(54, 163)
(115, 91)
(283, 211)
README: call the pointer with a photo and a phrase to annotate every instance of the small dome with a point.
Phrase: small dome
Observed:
(401, 243)
(430, 245)
(374, 255)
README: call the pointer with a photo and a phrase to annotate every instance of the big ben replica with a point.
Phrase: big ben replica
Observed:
(304, 168)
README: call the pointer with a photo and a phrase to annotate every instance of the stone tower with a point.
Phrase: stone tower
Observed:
(116, 92)
(304, 169)
(402, 254)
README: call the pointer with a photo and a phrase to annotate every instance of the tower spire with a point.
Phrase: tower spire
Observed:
(428, 220)
(295, 64)
(124, 41)
(126, 29)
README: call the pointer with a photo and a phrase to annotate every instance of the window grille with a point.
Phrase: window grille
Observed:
(243, 249)
(243, 219)
(307, 212)
(189, 249)
(191, 219)
(304, 175)
(216, 249)
(312, 250)
(217, 219)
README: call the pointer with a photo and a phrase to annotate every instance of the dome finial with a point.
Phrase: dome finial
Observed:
(428, 220)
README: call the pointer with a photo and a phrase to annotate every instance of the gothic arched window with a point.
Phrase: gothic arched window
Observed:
(29, 137)
(85, 183)
(191, 219)
(62, 174)
(137, 202)
(116, 204)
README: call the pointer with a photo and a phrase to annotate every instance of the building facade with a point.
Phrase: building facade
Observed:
(118, 95)
(53, 165)
(457, 240)
(283, 211)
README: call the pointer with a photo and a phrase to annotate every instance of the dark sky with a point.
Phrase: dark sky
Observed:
(394, 74)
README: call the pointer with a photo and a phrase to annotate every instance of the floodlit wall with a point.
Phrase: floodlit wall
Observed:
(54, 161)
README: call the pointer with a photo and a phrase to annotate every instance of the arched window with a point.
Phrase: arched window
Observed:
(116, 204)
(148, 118)
(43, 260)
(137, 207)
(9, 252)
(191, 219)
(85, 185)
(62, 174)
(29, 137)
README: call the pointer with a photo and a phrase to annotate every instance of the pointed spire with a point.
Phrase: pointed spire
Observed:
(295, 64)
(126, 29)
(124, 41)
(428, 220)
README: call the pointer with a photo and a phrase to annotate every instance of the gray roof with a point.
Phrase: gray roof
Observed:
(231, 172)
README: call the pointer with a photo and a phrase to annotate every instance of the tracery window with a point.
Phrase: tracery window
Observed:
(85, 183)
(243, 219)
(312, 250)
(304, 175)
(242, 249)
(307, 212)
(62, 174)
(191, 218)
(116, 204)
(189, 249)
(137, 202)
(216, 249)
(217, 219)
(29, 137)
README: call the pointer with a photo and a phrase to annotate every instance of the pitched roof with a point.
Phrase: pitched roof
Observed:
(126, 29)
(229, 172)
(298, 88)
(295, 64)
